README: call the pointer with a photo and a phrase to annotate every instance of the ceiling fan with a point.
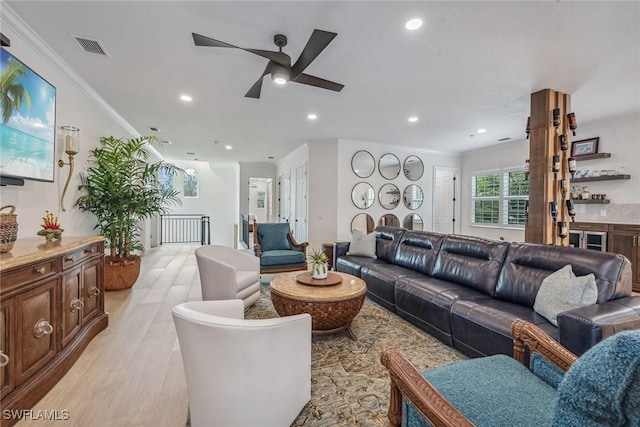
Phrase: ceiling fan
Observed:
(279, 65)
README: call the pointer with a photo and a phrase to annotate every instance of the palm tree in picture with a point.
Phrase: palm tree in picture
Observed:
(12, 93)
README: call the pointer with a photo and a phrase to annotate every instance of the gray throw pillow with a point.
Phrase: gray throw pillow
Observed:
(362, 244)
(562, 291)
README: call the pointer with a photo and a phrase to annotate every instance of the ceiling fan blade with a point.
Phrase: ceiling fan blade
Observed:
(306, 79)
(255, 90)
(201, 40)
(317, 42)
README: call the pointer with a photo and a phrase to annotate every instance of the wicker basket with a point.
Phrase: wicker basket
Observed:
(8, 229)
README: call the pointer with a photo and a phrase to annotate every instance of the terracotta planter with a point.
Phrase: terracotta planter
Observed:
(121, 273)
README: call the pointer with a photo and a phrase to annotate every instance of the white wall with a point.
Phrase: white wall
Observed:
(619, 136)
(345, 208)
(217, 197)
(324, 187)
(76, 105)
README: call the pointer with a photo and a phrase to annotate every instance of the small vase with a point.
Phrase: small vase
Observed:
(51, 234)
(319, 271)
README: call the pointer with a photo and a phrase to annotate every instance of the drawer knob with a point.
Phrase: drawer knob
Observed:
(93, 291)
(42, 328)
(88, 251)
(40, 270)
(68, 259)
(4, 359)
(76, 304)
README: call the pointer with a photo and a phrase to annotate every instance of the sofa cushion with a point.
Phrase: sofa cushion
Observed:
(426, 302)
(387, 240)
(470, 261)
(490, 391)
(353, 264)
(271, 258)
(362, 244)
(563, 291)
(527, 264)
(603, 386)
(418, 250)
(274, 236)
(483, 327)
(381, 279)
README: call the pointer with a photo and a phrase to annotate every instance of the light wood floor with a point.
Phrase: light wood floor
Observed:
(131, 374)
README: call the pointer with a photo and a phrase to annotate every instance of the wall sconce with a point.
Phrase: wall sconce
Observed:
(71, 137)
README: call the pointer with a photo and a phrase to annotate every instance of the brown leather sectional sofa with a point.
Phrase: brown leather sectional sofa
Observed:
(467, 291)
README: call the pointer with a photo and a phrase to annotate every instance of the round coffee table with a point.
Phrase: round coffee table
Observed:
(332, 308)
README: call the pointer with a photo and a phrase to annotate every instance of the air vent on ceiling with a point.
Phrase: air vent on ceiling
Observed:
(503, 139)
(166, 141)
(190, 153)
(154, 129)
(91, 45)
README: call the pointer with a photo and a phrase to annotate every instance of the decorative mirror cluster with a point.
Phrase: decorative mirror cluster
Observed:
(389, 220)
(363, 195)
(389, 166)
(363, 164)
(413, 168)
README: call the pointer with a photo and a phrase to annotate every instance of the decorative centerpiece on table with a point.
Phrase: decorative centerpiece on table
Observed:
(50, 227)
(319, 264)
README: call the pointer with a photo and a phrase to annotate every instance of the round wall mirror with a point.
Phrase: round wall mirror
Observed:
(389, 166)
(390, 220)
(413, 222)
(413, 168)
(389, 196)
(363, 195)
(363, 164)
(362, 222)
(412, 196)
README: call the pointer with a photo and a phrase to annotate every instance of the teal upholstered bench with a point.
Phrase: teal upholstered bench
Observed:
(602, 387)
(277, 248)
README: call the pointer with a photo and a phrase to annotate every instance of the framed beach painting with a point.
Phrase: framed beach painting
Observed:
(28, 121)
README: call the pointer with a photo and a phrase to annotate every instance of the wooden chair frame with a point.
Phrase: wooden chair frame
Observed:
(407, 381)
(302, 247)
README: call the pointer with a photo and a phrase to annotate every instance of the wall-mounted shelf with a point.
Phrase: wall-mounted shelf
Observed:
(591, 201)
(601, 178)
(593, 156)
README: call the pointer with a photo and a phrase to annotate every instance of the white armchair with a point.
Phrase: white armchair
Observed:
(243, 373)
(227, 273)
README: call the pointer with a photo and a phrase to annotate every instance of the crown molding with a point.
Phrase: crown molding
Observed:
(19, 28)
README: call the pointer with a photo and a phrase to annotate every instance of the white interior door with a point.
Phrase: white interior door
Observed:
(445, 206)
(285, 197)
(300, 230)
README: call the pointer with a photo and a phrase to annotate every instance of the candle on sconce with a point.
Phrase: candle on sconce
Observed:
(71, 139)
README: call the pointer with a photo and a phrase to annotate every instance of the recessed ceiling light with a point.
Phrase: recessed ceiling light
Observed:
(228, 147)
(481, 130)
(413, 24)
(413, 119)
(186, 98)
(312, 116)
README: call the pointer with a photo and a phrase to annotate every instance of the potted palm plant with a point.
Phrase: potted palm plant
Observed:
(121, 188)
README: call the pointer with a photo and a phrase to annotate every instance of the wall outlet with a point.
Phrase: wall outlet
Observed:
(603, 212)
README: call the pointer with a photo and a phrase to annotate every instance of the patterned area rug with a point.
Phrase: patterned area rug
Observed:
(349, 385)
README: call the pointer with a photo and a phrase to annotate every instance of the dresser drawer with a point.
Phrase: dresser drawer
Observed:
(74, 258)
(30, 273)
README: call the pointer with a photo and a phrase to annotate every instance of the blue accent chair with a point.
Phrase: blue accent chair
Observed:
(601, 388)
(277, 248)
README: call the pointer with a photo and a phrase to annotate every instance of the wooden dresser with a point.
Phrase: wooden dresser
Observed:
(51, 306)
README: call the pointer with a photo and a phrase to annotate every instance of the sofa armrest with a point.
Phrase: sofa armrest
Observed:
(584, 327)
(339, 249)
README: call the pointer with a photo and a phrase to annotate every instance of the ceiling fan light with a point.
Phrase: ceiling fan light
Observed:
(279, 80)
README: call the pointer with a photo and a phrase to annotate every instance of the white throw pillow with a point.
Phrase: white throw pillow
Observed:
(562, 291)
(362, 244)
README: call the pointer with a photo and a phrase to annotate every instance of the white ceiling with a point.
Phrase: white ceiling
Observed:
(471, 65)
